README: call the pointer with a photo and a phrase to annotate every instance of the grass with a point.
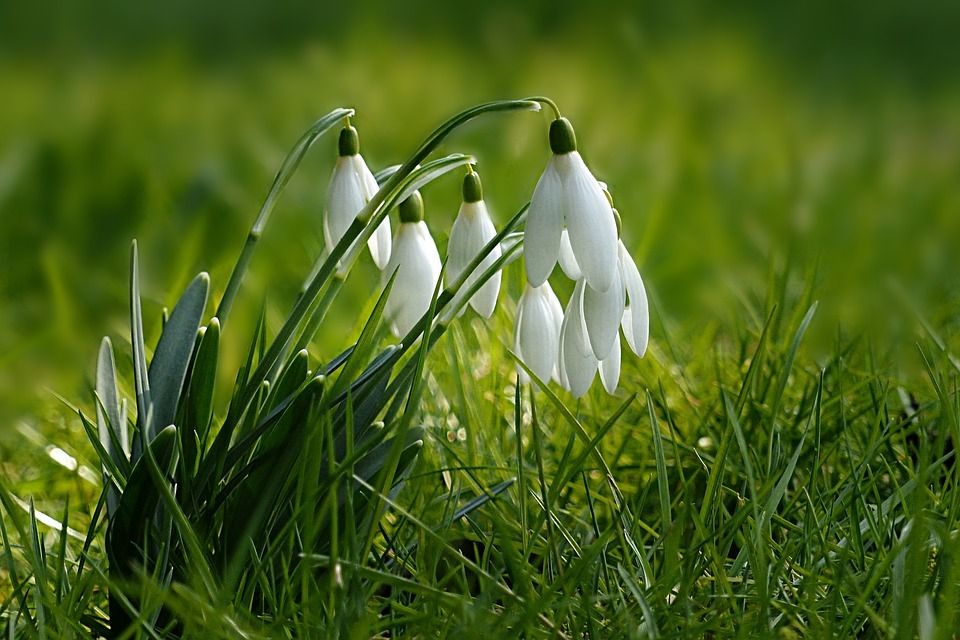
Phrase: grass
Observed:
(772, 495)
(781, 463)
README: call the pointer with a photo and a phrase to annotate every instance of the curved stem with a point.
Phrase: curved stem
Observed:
(367, 221)
(548, 102)
(287, 169)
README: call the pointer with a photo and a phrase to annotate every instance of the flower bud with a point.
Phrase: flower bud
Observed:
(411, 209)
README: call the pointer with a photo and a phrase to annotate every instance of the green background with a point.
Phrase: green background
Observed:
(804, 141)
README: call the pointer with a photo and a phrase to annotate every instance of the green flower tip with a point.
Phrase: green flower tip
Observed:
(472, 189)
(349, 141)
(616, 217)
(562, 137)
(411, 209)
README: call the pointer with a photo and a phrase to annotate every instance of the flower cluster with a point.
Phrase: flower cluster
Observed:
(570, 220)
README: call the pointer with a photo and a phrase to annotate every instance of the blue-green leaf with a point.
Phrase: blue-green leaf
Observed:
(140, 377)
(168, 369)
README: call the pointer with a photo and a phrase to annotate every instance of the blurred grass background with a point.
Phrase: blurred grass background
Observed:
(820, 140)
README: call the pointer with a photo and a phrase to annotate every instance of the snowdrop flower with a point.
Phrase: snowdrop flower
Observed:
(568, 196)
(634, 320)
(636, 314)
(537, 331)
(590, 339)
(416, 261)
(578, 366)
(568, 261)
(471, 231)
(351, 187)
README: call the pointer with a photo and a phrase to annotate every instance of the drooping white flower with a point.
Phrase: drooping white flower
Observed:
(352, 185)
(588, 320)
(471, 232)
(537, 331)
(578, 365)
(568, 261)
(610, 368)
(602, 313)
(636, 314)
(416, 261)
(568, 196)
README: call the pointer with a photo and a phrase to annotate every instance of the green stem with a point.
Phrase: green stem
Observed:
(319, 313)
(367, 221)
(544, 493)
(287, 169)
(548, 102)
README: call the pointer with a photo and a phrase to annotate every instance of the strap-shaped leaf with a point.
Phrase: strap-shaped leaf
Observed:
(374, 461)
(203, 379)
(168, 369)
(291, 379)
(110, 424)
(140, 377)
(138, 502)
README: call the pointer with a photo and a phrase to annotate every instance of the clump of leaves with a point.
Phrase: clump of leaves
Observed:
(234, 504)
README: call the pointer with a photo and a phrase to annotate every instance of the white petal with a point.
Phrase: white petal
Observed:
(461, 246)
(541, 238)
(568, 261)
(537, 334)
(636, 315)
(602, 313)
(380, 244)
(345, 198)
(471, 232)
(484, 301)
(370, 186)
(590, 222)
(610, 368)
(556, 310)
(417, 263)
(578, 369)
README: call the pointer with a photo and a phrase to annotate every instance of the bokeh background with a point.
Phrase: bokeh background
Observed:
(808, 142)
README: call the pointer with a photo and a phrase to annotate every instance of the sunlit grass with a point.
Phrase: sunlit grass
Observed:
(765, 473)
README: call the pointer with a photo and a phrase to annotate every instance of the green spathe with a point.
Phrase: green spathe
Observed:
(411, 209)
(472, 188)
(562, 137)
(349, 143)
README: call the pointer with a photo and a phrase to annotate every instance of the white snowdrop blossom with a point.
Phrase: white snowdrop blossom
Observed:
(610, 368)
(578, 365)
(352, 185)
(569, 197)
(471, 232)
(416, 261)
(568, 261)
(588, 320)
(602, 313)
(636, 314)
(537, 331)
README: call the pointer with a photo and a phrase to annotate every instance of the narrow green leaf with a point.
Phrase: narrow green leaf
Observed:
(203, 379)
(108, 416)
(289, 167)
(140, 376)
(138, 502)
(168, 369)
